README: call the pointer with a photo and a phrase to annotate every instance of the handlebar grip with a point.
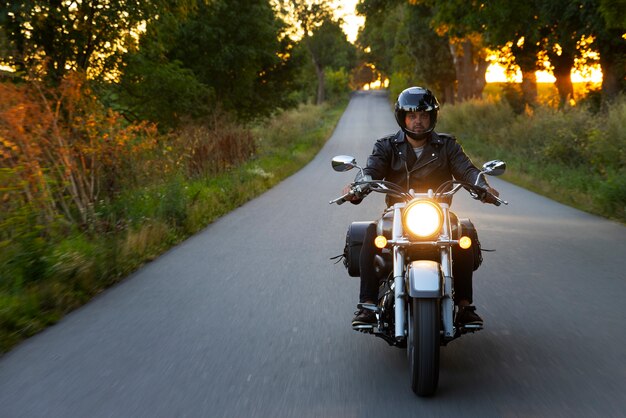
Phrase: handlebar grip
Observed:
(340, 200)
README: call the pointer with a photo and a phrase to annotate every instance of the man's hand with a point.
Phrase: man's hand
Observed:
(349, 197)
(489, 198)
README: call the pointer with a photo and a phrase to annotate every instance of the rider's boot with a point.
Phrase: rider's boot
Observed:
(365, 315)
(467, 318)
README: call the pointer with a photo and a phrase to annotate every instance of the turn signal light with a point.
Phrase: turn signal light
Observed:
(465, 242)
(380, 241)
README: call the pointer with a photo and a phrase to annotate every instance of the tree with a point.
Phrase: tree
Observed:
(605, 21)
(460, 21)
(513, 25)
(424, 54)
(55, 36)
(238, 48)
(561, 29)
(321, 35)
(398, 40)
(224, 53)
(329, 48)
(377, 37)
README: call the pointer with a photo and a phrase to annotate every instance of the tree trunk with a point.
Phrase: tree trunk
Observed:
(563, 73)
(459, 58)
(610, 80)
(613, 63)
(526, 58)
(448, 94)
(470, 70)
(529, 87)
(321, 83)
(481, 81)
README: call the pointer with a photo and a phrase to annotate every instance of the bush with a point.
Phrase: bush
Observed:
(174, 186)
(574, 154)
(512, 93)
(337, 84)
(77, 153)
(211, 146)
(398, 82)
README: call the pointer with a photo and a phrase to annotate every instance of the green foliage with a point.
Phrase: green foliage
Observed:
(379, 33)
(173, 203)
(396, 34)
(149, 90)
(421, 52)
(329, 46)
(514, 96)
(613, 13)
(337, 84)
(404, 46)
(226, 52)
(576, 156)
(234, 47)
(50, 37)
(47, 272)
(399, 81)
(323, 38)
(23, 249)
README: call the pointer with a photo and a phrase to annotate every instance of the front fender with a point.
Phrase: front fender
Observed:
(425, 279)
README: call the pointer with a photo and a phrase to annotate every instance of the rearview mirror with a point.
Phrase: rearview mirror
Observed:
(494, 168)
(343, 163)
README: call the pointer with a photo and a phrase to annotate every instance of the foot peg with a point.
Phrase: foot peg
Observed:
(369, 306)
(366, 328)
(471, 327)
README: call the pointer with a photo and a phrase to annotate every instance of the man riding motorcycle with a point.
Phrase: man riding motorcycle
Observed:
(418, 158)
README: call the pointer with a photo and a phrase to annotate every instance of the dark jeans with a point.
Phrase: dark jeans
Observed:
(369, 281)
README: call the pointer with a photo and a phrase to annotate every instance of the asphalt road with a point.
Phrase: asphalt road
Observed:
(249, 318)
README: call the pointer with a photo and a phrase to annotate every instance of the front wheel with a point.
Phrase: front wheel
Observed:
(423, 347)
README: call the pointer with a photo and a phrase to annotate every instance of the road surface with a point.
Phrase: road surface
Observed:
(249, 318)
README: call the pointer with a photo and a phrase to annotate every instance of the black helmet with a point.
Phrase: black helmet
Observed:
(416, 99)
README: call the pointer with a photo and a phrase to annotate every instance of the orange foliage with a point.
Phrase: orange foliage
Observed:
(63, 150)
(212, 147)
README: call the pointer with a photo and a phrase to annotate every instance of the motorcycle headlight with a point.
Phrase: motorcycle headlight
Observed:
(422, 218)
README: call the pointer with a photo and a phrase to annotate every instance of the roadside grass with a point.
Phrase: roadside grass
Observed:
(70, 266)
(575, 155)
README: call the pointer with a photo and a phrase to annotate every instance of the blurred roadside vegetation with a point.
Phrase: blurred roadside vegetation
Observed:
(573, 154)
(126, 127)
(89, 198)
(564, 139)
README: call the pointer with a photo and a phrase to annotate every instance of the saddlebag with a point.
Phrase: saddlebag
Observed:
(352, 249)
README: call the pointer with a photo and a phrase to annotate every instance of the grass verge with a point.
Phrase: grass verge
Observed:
(75, 266)
(574, 155)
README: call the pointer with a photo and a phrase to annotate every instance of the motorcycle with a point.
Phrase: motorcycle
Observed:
(416, 240)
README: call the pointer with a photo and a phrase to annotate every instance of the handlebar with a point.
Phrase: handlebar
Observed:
(363, 188)
(360, 189)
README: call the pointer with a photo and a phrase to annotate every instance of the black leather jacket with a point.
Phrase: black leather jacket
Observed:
(393, 159)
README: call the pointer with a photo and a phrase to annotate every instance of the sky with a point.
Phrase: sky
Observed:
(346, 9)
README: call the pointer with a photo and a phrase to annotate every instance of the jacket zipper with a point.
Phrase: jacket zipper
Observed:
(423, 165)
(408, 173)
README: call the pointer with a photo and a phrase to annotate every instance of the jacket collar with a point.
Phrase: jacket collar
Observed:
(400, 137)
(407, 154)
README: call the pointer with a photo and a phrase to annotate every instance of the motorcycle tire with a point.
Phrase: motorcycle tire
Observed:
(423, 345)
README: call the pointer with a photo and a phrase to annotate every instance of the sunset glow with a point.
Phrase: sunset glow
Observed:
(496, 74)
(346, 10)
